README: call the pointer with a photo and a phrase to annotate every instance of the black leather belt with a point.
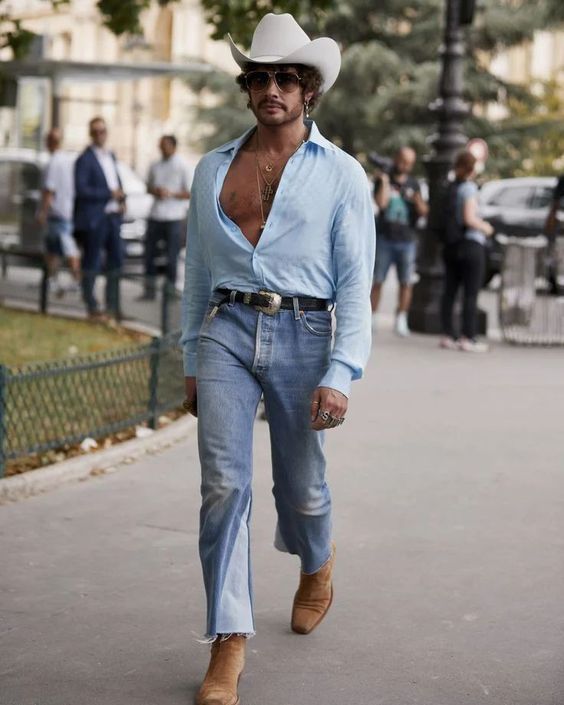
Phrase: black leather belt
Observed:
(270, 302)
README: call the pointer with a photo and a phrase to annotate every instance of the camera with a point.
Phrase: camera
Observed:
(385, 164)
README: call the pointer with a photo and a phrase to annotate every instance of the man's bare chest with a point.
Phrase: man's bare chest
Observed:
(239, 196)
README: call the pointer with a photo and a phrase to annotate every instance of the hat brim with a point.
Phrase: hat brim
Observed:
(323, 54)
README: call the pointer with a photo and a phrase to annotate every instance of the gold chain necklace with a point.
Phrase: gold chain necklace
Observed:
(266, 193)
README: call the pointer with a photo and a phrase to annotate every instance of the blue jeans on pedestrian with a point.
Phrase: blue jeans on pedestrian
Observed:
(104, 240)
(401, 253)
(59, 240)
(243, 354)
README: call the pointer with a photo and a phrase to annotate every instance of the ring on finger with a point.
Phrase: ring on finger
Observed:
(330, 421)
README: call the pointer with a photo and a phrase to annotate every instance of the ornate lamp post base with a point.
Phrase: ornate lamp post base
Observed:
(451, 110)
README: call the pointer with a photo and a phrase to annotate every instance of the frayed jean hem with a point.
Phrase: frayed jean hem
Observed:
(211, 638)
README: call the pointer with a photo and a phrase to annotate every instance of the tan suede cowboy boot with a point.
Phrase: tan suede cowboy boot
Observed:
(222, 677)
(313, 598)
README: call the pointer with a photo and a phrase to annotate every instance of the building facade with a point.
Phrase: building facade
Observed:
(138, 110)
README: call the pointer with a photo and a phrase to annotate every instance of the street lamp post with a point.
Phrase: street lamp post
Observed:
(450, 109)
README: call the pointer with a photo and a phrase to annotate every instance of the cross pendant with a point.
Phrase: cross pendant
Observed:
(267, 192)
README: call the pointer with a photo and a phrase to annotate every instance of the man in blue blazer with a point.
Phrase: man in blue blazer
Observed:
(99, 207)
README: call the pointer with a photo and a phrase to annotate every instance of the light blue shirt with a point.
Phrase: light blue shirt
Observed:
(318, 241)
(467, 190)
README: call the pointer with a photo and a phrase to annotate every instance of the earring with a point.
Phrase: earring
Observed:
(306, 104)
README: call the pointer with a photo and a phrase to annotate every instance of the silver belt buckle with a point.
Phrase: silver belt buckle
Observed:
(274, 303)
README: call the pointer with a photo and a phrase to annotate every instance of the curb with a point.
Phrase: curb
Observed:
(34, 482)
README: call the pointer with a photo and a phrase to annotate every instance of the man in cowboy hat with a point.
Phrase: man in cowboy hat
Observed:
(280, 230)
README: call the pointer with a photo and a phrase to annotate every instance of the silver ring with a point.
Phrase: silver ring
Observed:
(330, 421)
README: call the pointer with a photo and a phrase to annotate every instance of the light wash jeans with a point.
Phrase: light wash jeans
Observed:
(243, 353)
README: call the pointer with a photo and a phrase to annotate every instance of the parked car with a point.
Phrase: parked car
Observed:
(20, 191)
(515, 207)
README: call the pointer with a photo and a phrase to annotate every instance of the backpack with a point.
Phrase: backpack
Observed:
(450, 230)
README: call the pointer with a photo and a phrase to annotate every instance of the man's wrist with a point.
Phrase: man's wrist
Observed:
(338, 377)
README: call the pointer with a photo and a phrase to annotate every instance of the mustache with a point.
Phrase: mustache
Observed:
(271, 104)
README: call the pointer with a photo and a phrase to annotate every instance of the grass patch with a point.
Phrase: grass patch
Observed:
(31, 337)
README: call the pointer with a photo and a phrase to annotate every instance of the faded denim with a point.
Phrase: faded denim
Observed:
(243, 353)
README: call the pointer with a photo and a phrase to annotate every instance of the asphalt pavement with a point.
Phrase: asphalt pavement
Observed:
(448, 490)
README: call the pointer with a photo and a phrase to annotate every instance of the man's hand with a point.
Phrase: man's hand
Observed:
(163, 193)
(41, 219)
(488, 229)
(118, 194)
(327, 399)
(191, 393)
(421, 207)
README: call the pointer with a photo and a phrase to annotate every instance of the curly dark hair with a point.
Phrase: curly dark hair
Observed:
(311, 80)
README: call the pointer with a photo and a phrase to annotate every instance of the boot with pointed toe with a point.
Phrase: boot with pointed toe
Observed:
(222, 678)
(313, 598)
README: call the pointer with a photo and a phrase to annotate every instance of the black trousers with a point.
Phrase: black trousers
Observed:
(464, 267)
(170, 231)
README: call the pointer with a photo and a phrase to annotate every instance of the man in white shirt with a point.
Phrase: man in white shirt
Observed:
(99, 206)
(56, 209)
(169, 182)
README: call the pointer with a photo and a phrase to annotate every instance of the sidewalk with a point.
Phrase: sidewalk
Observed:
(21, 288)
(449, 517)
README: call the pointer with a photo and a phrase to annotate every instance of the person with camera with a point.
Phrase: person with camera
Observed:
(400, 204)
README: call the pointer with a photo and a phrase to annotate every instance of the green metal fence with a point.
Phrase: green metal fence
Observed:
(49, 405)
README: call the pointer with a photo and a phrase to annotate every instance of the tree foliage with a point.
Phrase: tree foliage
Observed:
(390, 73)
(239, 17)
(119, 16)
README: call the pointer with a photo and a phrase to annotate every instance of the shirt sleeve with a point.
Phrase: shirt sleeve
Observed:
(468, 190)
(49, 178)
(354, 241)
(151, 177)
(197, 288)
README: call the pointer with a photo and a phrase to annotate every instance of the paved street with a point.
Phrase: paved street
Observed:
(449, 519)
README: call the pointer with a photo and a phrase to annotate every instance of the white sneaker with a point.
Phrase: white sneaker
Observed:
(401, 324)
(447, 343)
(472, 346)
(55, 287)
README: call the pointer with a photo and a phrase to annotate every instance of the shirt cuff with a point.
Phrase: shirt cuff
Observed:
(339, 377)
(190, 360)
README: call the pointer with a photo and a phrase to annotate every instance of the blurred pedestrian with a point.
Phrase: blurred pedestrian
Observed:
(99, 207)
(56, 210)
(400, 204)
(169, 182)
(551, 229)
(464, 257)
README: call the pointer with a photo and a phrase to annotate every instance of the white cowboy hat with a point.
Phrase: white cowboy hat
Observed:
(279, 39)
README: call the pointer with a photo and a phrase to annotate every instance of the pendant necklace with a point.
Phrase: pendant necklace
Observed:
(267, 193)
